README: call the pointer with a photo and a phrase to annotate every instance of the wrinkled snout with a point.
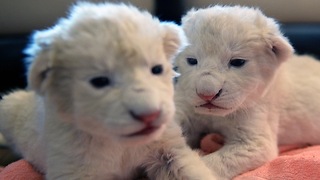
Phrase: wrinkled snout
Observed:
(209, 97)
(146, 118)
(208, 87)
(143, 104)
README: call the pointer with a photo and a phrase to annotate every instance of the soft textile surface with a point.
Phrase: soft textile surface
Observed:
(20, 170)
(294, 163)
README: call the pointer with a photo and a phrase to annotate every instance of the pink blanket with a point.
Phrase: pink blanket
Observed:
(294, 163)
(20, 170)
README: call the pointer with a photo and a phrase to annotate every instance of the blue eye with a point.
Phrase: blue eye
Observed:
(237, 62)
(192, 61)
(100, 82)
(158, 69)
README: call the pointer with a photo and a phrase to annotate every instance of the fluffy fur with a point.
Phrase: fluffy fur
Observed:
(239, 78)
(102, 105)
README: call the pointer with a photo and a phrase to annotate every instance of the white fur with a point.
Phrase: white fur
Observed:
(70, 129)
(273, 99)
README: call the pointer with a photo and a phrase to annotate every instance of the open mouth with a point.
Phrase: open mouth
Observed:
(145, 131)
(210, 106)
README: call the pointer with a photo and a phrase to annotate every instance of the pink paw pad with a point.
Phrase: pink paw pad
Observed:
(211, 143)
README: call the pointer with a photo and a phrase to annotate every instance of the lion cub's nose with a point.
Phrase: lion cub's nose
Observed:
(210, 96)
(146, 118)
(206, 97)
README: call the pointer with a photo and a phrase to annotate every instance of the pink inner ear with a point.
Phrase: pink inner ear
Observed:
(281, 48)
(274, 50)
(280, 55)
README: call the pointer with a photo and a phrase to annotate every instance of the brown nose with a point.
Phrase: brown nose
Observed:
(209, 97)
(146, 118)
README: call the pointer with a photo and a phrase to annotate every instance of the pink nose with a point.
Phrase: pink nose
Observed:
(207, 97)
(146, 118)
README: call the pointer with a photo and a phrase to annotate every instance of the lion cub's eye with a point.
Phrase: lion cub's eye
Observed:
(157, 69)
(100, 82)
(237, 62)
(192, 61)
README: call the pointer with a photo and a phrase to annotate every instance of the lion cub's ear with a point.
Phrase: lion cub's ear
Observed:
(40, 59)
(278, 44)
(173, 39)
(281, 47)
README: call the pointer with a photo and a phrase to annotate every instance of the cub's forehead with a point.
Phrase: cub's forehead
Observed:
(218, 25)
(224, 21)
(103, 54)
(219, 28)
(94, 18)
(109, 35)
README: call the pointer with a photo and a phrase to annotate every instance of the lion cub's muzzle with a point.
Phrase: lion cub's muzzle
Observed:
(148, 121)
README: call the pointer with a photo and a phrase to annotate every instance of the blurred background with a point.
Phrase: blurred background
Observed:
(19, 18)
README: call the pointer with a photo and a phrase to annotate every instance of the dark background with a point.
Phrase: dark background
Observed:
(305, 37)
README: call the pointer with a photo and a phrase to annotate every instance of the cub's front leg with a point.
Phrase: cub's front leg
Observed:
(172, 159)
(192, 130)
(246, 147)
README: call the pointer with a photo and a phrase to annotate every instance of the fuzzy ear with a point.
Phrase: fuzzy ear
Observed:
(281, 47)
(40, 59)
(173, 40)
(189, 15)
(278, 44)
(37, 75)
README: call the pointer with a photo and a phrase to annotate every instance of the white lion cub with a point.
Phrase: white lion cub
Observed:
(103, 101)
(239, 78)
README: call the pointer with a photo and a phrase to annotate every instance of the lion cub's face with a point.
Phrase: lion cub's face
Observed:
(232, 57)
(110, 76)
